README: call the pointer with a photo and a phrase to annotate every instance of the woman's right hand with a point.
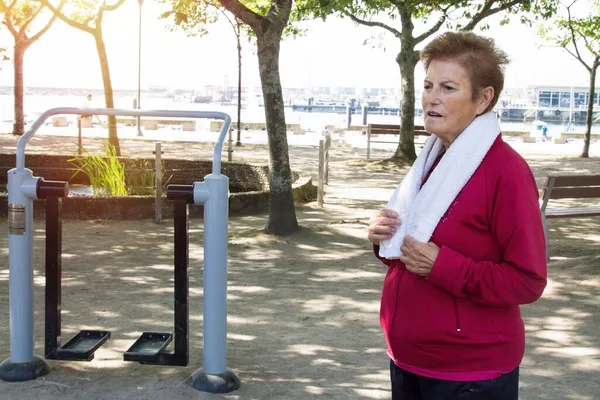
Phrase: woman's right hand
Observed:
(383, 225)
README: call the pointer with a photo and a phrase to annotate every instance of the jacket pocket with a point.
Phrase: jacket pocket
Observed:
(425, 315)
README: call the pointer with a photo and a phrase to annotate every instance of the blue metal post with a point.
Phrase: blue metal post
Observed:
(216, 211)
(214, 377)
(22, 364)
(213, 192)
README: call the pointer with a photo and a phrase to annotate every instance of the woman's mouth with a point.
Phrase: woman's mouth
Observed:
(433, 114)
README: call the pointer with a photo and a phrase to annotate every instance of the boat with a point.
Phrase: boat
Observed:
(202, 99)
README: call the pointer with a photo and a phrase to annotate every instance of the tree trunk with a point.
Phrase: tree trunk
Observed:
(407, 60)
(19, 118)
(238, 33)
(590, 110)
(113, 139)
(406, 147)
(282, 215)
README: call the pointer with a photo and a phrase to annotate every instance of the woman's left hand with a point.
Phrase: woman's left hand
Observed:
(418, 257)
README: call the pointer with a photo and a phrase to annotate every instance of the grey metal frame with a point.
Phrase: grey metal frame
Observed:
(213, 193)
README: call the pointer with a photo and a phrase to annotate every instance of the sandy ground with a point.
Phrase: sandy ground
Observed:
(303, 309)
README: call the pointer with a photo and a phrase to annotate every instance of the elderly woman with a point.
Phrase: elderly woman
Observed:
(462, 237)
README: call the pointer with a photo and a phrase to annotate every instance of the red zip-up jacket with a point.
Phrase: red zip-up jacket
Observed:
(464, 317)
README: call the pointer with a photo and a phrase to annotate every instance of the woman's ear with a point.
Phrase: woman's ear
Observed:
(485, 98)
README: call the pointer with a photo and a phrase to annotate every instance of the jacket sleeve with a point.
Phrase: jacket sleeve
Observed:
(515, 221)
(383, 260)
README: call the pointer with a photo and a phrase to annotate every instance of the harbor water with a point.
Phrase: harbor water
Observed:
(309, 121)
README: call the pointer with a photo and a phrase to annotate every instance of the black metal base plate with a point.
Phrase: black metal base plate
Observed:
(147, 347)
(26, 371)
(83, 345)
(220, 383)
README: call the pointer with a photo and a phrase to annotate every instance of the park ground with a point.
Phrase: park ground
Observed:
(302, 309)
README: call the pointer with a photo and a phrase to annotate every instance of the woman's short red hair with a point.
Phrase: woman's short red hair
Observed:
(478, 55)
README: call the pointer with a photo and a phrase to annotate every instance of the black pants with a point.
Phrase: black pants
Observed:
(408, 386)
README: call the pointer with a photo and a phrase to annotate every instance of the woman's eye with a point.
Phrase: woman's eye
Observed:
(447, 88)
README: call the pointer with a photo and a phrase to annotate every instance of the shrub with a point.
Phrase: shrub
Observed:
(106, 174)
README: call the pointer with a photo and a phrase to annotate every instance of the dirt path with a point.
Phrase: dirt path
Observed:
(303, 310)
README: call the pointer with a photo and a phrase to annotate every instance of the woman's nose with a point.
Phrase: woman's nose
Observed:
(433, 96)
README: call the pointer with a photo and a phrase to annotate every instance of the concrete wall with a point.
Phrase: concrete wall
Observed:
(189, 125)
(242, 177)
(248, 186)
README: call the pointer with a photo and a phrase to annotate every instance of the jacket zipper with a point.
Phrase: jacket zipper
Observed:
(456, 314)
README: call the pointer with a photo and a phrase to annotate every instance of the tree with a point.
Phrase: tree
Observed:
(268, 24)
(237, 30)
(87, 16)
(193, 18)
(398, 18)
(267, 20)
(19, 15)
(580, 37)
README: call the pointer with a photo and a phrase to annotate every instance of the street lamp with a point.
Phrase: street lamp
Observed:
(139, 128)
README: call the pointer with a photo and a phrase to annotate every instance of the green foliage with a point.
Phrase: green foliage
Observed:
(18, 15)
(106, 174)
(109, 176)
(579, 36)
(85, 15)
(398, 18)
(3, 57)
(19, 12)
(194, 16)
(456, 14)
(85, 12)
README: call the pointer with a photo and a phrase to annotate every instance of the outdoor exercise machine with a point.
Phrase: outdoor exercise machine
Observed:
(150, 348)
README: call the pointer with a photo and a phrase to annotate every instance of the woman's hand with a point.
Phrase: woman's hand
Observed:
(418, 257)
(383, 225)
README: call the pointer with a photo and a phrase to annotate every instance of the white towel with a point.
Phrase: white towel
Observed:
(420, 209)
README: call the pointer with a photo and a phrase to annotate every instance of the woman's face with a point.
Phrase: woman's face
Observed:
(448, 105)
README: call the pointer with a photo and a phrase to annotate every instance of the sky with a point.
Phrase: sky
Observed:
(331, 53)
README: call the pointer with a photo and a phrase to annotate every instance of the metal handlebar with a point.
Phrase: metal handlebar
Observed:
(133, 113)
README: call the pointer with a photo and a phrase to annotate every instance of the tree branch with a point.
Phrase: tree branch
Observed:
(66, 19)
(9, 24)
(431, 31)
(487, 11)
(371, 23)
(4, 8)
(112, 7)
(35, 37)
(228, 20)
(281, 7)
(573, 37)
(7, 10)
(249, 17)
(575, 56)
(33, 16)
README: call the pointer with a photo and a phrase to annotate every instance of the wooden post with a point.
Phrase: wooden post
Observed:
(326, 166)
(368, 142)
(158, 183)
(321, 173)
(229, 149)
(79, 137)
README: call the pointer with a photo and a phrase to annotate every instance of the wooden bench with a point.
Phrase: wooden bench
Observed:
(384, 129)
(569, 187)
